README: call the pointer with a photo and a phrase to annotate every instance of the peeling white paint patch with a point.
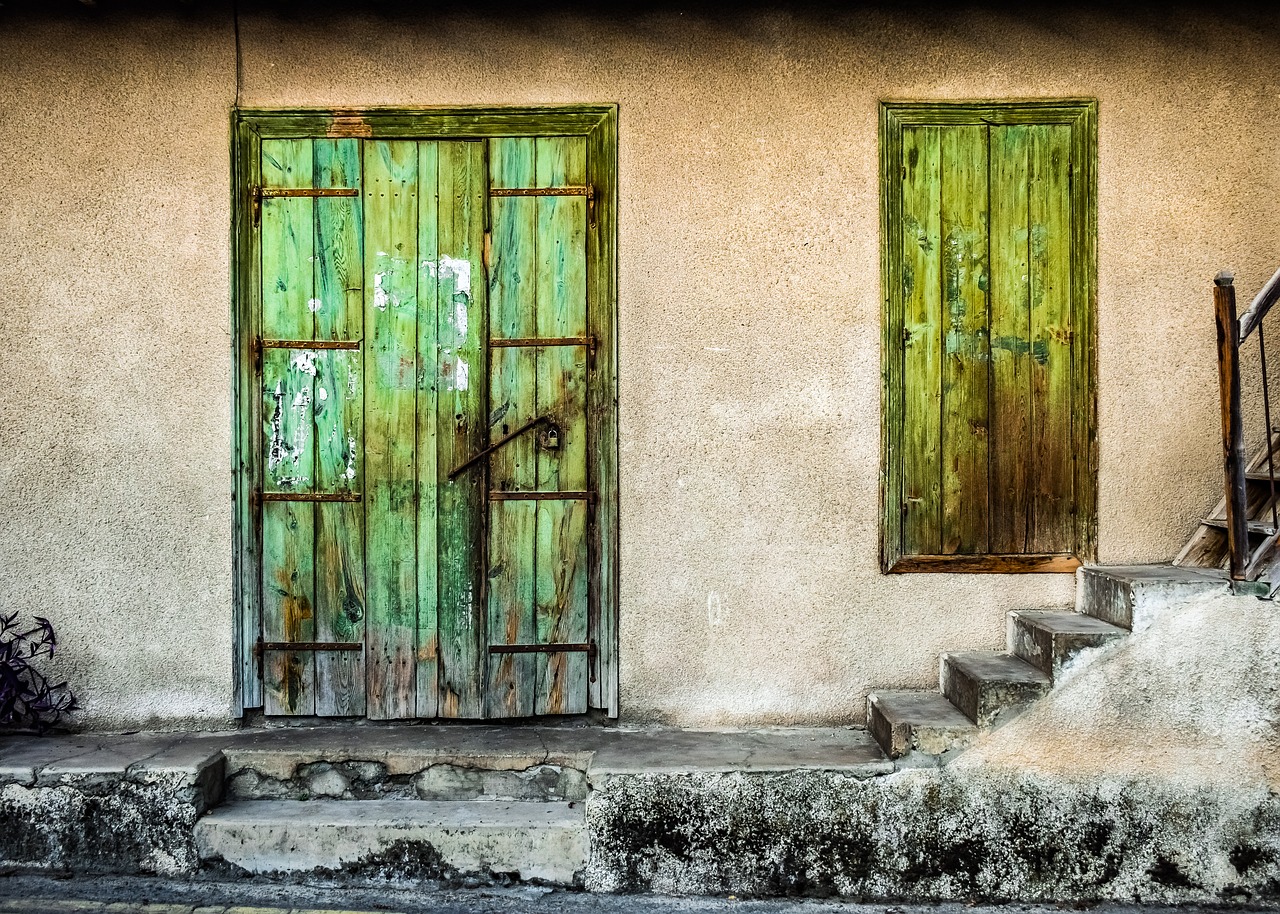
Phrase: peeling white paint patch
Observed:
(460, 318)
(380, 297)
(459, 270)
(304, 361)
(462, 376)
(314, 305)
(322, 394)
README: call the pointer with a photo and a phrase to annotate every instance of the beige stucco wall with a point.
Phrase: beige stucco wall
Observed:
(749, 318)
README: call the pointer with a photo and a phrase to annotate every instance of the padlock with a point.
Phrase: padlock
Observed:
(551, 439)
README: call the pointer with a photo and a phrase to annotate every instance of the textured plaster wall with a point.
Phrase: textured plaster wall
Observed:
(749, 316)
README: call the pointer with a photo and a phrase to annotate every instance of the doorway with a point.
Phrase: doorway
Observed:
(426, 472)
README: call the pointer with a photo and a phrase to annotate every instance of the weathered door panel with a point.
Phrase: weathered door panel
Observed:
(391, 327)
(539, 499)
(462, 334)
(395, 348)
(338, 305)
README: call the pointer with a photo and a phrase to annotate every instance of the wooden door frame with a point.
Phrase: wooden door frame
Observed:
(1082, 116)
(599, 124)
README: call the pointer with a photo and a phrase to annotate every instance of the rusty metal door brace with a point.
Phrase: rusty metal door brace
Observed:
(261, 193)
(309, 496)
(480, 455)
(353, 345)
(263, 646)
(588, 648)
(533, 341)
(583, 190)
(508, 495)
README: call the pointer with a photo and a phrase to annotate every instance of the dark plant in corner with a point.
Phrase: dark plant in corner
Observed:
(27, 700)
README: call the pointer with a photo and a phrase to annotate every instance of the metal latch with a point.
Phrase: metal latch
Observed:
(480, 455)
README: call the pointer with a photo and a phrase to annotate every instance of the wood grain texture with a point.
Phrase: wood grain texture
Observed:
(463, 336)
(602, 413)
(1039, 400)
(560, 590)
(512, 403)
(427, 667)
(921, 341)
(1052, 527)
(1011, 441)
(391, 332)
(965, 351)
(288, 528)
(246, 318)
(338, 306)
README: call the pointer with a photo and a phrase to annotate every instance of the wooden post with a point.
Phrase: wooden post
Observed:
(1224, 305)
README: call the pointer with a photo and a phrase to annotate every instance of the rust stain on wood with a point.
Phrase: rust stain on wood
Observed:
(349, 125)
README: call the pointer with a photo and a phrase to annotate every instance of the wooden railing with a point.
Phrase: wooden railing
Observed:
(1232, 332)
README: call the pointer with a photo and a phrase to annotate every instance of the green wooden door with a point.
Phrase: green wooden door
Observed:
(424, 361)
(989, 426)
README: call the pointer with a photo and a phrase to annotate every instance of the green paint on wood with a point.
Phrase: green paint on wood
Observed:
(1011, 344)
(427, 571)
(338, 306)
(965, 356)
(512, 403)
(561, 573)
(288, 375)
(992, 384)
(462, 328)
(391, 335)
(922, 342)
(428, 466)
(1052, 523)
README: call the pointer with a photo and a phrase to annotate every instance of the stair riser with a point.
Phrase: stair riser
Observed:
(917, 730)
(393, 848)
(1133, 597)
(370, 781)
(1050, 651)
(986, 702)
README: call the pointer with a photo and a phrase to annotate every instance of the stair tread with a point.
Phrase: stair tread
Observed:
(1254, 526)
(921, 709)
(374, 813)
(1067, 622)
(996, 666)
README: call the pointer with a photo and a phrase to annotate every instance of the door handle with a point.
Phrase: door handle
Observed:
(506, 439)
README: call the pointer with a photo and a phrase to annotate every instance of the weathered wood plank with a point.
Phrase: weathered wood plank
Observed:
(288, 528)
(921, 381)
(561, 553)
(1011, 441)
(339, 413)
(602, 419)
(462, 326)
(965, 351)
(512, 403)
(1052, 387)
(1030, 563)
(247, 459)
(428, 468)
(391, 333)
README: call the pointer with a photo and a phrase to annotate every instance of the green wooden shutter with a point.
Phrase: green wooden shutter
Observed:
(985, 237)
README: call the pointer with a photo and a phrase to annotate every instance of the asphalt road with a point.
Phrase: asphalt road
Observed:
(21, 894)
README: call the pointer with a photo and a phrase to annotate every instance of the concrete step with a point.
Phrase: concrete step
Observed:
(396, 839)
(430, 764)
(1131, 596)
(1049, 639)
(989, 687)
(904, 722)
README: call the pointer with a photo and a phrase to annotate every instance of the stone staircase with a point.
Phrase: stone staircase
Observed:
(980, 690)
(415, 809)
